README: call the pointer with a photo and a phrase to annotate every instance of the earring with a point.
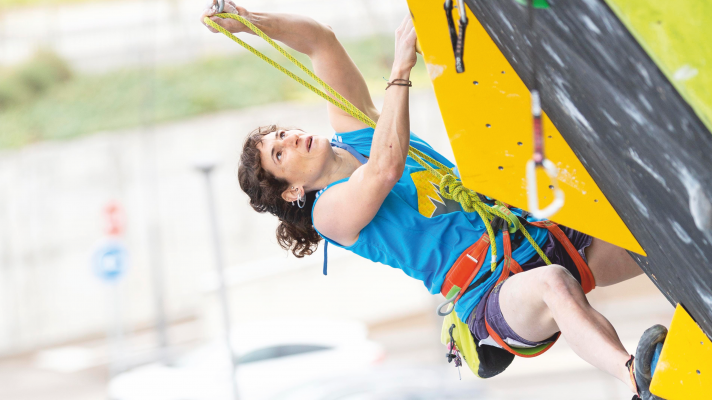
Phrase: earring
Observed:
(301, 203)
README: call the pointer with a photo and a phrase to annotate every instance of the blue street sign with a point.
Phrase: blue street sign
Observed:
(110, 260)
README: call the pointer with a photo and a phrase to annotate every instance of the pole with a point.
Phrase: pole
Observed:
(151, 199)
(207, 168)
(116, 334)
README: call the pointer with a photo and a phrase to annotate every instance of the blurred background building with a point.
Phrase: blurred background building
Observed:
(111, 103)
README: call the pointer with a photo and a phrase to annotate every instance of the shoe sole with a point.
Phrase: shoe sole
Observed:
(644, 358)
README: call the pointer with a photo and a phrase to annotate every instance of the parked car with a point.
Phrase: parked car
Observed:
(273, 356)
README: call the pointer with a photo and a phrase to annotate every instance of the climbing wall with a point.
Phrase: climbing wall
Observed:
(638, 138)
(673, 34)
(487, 114)
(644, 147)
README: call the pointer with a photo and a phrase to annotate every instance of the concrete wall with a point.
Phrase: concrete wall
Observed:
(52, 197)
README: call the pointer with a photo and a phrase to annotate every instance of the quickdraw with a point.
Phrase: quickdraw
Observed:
(457, 38)
(538, 160)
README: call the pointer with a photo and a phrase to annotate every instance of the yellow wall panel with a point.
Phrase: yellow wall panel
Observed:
(684, 370)
(487, 115)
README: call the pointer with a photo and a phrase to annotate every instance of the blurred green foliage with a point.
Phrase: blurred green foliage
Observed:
(32, 79)
(42, 100)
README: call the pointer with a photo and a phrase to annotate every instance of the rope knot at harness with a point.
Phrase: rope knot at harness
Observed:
(452, 188)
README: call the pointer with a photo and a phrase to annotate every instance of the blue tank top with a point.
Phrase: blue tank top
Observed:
(419, 232)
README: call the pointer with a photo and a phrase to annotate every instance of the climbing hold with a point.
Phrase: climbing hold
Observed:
(701, 208)
(537, 3)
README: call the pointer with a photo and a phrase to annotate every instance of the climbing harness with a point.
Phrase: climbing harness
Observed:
(457, 38)
(538, 160)
(485, 361)
(462, 272)
(588, 283)
(451, 187)
(468, 265)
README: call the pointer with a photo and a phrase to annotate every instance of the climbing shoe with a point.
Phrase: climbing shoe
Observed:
(642, 365)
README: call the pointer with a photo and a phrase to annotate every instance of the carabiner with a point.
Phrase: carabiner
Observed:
(445, 303)
(532, 194)
(218, 6)
(457, 39)
(461, 11)
(539, 160)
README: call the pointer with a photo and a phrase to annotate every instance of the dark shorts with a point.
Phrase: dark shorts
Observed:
(557, 254)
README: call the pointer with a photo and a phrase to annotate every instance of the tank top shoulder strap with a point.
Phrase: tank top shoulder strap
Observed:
(360, 157)
(363, 160)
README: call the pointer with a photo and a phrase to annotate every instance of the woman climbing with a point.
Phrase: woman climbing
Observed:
(362, 192)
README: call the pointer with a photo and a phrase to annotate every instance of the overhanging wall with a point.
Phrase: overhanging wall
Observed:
(645, 147)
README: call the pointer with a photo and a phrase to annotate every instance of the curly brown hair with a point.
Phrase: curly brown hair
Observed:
(295, 231)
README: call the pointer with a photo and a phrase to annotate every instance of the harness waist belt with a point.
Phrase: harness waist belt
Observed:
(465, 268)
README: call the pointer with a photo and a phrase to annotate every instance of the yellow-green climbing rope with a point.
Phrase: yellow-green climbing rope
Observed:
(450, 186)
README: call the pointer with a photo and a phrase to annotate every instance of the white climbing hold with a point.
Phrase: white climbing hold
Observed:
(684, 73)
